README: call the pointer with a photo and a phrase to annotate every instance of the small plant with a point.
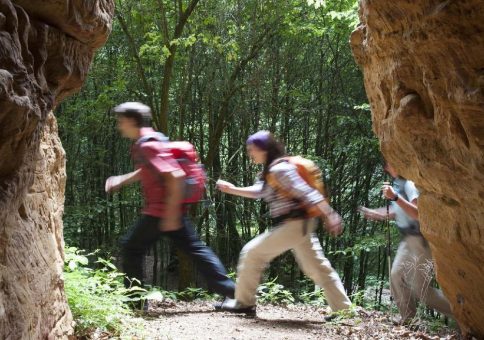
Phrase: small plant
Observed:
(272, 292)
(157, 294)
(349, 313)
(315, 297)
(192, 293)
(232, 275)
(188, 294)
(96, 297)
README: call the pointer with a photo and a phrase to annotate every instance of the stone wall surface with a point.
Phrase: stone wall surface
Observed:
(423, 65)
(46, 48)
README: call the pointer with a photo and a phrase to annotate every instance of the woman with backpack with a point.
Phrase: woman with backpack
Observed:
(293, 203)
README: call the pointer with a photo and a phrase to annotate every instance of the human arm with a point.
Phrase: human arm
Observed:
(174, 191)
(115, 183)
(253, 191)
(377, 214)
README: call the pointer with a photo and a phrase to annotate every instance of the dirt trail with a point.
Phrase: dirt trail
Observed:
(198, 320)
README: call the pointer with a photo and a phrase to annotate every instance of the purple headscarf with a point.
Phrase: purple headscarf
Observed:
(259, 139)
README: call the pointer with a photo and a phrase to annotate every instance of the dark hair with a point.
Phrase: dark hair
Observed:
(139, 112)
(266, 141)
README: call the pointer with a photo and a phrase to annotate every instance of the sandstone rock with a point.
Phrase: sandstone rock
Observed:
(46, 48)
(423, 64)
(31, 261)
(86, 21)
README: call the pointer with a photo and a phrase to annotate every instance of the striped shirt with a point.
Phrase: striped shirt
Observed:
(287, 176)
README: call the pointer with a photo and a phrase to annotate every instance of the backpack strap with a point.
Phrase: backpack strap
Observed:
(278, 188)
(274, 183)
(279, 160)
(155, 136)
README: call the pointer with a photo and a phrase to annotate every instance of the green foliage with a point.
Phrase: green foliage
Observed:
(154, 293)
(366, 244)
(96, 297)
(314, 297)
(433, 324)
(345, 314)
(273, 292)
(363, 107)
(316, 3)
(193, 293)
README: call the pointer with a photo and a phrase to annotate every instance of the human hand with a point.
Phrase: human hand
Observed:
(224, 186)
(113, 183)
(333, 223)
(388, 191)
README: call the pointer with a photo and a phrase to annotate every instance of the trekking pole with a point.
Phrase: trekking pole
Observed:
(389, 246)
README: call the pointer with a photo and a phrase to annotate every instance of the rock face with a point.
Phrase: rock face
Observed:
(46, 48)
(423, 65)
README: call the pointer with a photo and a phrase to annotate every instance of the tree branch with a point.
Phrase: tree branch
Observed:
(134, 52)
(232, 89)
(164, 24)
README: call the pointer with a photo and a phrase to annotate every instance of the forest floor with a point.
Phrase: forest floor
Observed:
(198, 320)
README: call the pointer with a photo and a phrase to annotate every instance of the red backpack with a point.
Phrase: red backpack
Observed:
(188, 159)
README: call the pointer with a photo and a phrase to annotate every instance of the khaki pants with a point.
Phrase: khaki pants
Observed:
(411, 275)
(291, 235)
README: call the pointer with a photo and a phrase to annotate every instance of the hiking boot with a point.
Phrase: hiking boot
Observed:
(233, 306)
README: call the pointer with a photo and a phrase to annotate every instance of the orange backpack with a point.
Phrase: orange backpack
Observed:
(309, 172)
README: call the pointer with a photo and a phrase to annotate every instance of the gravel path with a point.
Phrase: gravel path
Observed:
(198, 321)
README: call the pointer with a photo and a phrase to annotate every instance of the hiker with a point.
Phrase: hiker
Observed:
(293, 203)
(165, 183)
(411, 271)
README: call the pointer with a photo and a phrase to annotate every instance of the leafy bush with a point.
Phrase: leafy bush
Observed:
(96, 296)
(272, 292)
(315, 297)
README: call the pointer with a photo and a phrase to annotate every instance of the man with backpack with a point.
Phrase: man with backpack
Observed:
(292, 187)
(411, 271)
(171, 178)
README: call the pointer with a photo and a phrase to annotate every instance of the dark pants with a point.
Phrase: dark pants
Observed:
(146, 232)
